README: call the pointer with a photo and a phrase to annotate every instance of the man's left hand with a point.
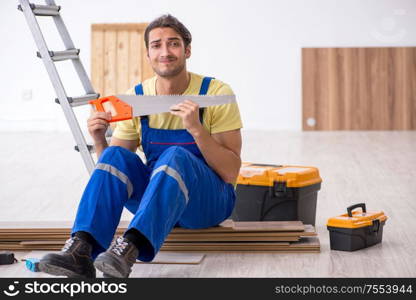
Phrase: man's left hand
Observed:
(189, 112)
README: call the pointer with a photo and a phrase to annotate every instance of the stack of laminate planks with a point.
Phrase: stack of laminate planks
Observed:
(229, 236)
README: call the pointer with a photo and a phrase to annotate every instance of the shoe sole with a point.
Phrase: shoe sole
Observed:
(58, 271)
(107, 269)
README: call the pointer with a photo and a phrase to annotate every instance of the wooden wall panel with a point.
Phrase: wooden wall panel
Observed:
(118, 57)
(135, 48)
(359, 88)
(122, 61)
(110, 62)
(97, 60)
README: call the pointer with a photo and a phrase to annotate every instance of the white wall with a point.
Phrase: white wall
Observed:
(255, 46)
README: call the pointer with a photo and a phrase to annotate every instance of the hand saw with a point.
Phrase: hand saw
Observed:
(125, 107)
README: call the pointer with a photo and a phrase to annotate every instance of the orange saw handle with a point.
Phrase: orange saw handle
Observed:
(119, 110)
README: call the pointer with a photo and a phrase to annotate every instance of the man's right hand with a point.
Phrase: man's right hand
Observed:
(97, 126)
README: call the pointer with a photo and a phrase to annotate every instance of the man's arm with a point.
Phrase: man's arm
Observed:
(221, 150)
(128, 144)
(97, 126)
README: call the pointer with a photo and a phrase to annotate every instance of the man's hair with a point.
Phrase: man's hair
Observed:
(171, 22)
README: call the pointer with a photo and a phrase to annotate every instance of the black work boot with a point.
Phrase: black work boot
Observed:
(118, 259)
(73, 261)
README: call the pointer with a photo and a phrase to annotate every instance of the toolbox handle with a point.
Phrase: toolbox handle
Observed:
(350, 208)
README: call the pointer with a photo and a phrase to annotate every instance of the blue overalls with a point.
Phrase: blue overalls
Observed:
(175, 187)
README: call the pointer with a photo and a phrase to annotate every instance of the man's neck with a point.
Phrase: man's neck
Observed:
(173, 85)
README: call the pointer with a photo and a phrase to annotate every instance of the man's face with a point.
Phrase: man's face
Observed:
(167, 53)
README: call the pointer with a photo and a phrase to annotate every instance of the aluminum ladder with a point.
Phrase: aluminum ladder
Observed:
(31, 11)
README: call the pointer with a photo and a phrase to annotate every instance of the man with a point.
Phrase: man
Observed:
(192, 162)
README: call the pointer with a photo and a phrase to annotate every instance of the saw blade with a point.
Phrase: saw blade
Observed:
(143, 105)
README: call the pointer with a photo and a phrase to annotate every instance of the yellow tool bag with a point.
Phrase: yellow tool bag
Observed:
(356, 229)
(276, 193)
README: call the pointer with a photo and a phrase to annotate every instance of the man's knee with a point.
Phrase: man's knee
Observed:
(111, 150)
(174, 151)
(174, 161)
(114, 152)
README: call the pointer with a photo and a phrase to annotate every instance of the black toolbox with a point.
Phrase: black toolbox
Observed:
(356, 229)
(276, 193)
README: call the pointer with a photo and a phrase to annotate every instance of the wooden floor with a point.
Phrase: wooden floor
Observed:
(42, 178)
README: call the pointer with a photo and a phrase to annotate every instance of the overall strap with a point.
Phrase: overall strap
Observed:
(205, 85)
(203, 91)
(139, 91)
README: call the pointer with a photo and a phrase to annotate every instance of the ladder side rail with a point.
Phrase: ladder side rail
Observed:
(57, 84)
(66, 38)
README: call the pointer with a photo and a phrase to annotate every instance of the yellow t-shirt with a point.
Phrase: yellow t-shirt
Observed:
(217, 118)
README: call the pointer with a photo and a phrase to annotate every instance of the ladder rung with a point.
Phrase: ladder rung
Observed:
(90, 148)
(82, 100)
(43, 10)
(62, 55)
